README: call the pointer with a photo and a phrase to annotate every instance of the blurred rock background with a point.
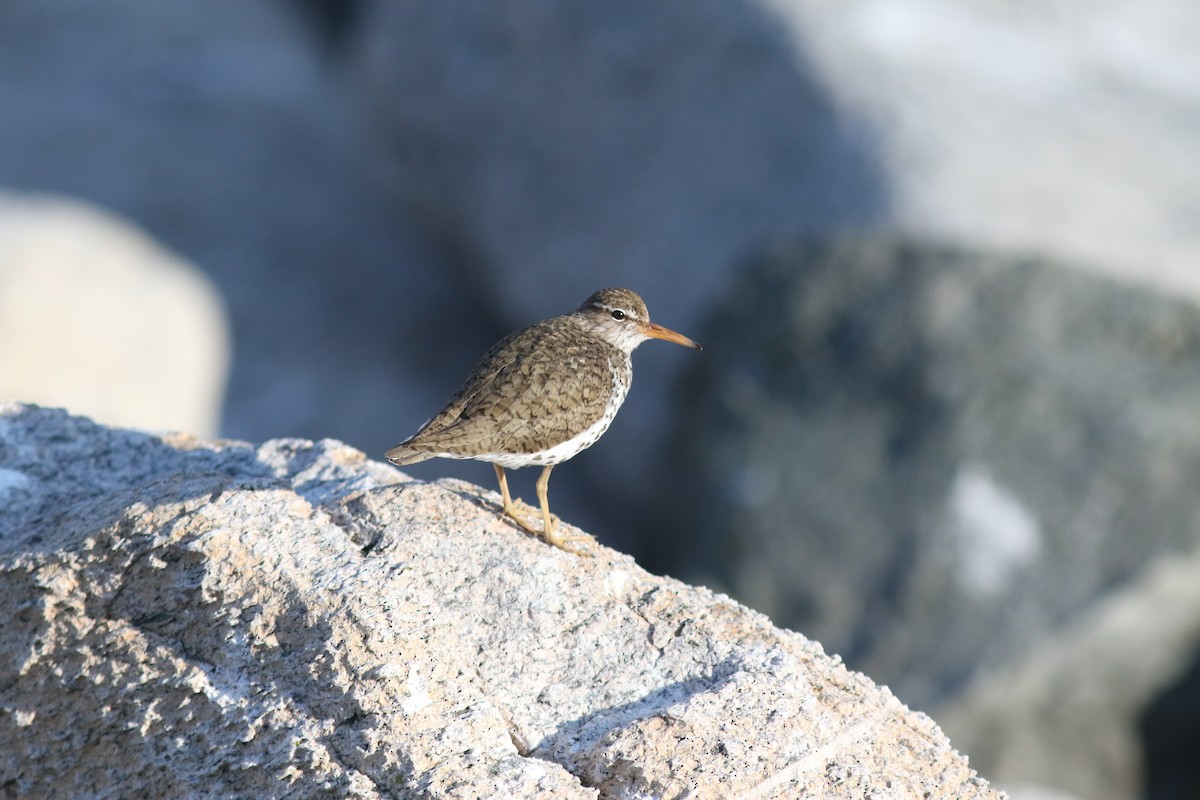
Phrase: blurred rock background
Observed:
(943, 257)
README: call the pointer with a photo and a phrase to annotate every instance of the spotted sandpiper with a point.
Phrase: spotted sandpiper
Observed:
(541, 395)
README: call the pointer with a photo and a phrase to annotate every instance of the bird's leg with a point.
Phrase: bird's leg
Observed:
(548, 519)
(500, 476)
(550, 522)
(511, 504)
(510, 508)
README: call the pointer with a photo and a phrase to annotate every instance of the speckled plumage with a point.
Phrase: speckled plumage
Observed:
(516, 402)
(542, 394)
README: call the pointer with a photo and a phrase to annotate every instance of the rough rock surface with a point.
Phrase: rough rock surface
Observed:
(100, 319)
(294, 620)
(931, 459)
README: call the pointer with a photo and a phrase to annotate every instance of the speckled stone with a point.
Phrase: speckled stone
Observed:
(296, 620)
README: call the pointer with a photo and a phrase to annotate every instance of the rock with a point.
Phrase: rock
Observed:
(296, 620)
(1067, 132)
(932, 460)
(1077, 712)
(96, 316)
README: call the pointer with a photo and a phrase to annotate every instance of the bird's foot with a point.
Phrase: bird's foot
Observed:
(552, 535)
(518, 503)
(563, 541)
(510, 511)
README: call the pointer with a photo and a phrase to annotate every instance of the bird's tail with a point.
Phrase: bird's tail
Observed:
(401, 455)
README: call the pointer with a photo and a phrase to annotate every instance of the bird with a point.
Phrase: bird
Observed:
(542, 395)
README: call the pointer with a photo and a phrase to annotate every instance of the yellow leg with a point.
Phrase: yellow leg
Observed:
(503, 488)
(543, 494)
(550, 522)
(510, 508)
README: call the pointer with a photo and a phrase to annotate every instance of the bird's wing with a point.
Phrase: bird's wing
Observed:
(522, 395)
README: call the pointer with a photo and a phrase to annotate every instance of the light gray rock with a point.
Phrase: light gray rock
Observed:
(97, 317)
(932, 460)
(200, 618)
(1064, 128)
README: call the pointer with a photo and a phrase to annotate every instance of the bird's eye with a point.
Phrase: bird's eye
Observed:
(618, 314)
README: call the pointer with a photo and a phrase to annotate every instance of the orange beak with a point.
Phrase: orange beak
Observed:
(659, 332)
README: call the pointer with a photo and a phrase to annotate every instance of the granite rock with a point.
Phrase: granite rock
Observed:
(295, 620)
(1064, 130)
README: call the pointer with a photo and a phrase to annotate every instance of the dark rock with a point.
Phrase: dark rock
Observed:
(932, 459)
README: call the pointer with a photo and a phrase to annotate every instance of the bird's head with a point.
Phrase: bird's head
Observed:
(620, 317)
